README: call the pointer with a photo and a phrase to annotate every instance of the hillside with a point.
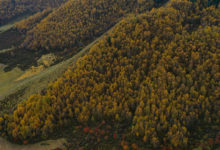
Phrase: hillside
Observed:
(29, 23)
(64, 31)
(156, 75)
(10, 9)
(16, 90)
(77, 23)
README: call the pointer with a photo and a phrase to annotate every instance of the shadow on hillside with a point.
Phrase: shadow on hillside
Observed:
(12, 56)
(16, 57)
(10, 38)
(20, 58)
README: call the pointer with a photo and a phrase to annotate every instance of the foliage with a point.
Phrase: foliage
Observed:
(78, 22)
(157, 73)
(29, 23)
(10, 9)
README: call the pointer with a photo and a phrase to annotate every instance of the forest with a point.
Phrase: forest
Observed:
(77, 23)
(29, 23)
(10, 9)
(156, 73)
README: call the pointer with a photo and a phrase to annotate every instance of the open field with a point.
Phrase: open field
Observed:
(6, 78)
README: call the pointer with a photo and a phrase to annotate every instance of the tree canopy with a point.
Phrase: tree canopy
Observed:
(10, 9)
(79, 22)
(158, 72)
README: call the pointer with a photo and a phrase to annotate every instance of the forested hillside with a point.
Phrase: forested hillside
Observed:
(78, 22)
(157, 74)
(29, 23)
(13, 8)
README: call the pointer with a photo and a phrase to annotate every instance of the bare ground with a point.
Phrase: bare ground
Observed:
(45, 145)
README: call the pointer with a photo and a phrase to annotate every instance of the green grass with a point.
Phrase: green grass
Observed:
(49, 145)
(6, 79)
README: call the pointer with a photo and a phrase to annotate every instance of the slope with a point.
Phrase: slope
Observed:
(46, 145)
(10, 9)
(16, 91)
(156, 73)
(77, 23)
(84, 21)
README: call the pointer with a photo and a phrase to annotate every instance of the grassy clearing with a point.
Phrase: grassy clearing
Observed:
(6, 27)
(46, 145)
(6, 78)
(31, 72)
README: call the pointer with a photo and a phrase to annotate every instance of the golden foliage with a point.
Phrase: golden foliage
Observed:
(10, 9)
(27, 24)
(77, 23)
(157, 72)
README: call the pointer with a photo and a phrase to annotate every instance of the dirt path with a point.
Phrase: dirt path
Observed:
(45, 145)
(6, 50)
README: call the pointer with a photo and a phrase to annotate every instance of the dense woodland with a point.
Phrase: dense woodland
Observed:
(157, 72)
(29, 23)
(10, 9)
(77, 23)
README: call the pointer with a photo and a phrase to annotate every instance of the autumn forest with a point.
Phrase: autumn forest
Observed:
(150, 82)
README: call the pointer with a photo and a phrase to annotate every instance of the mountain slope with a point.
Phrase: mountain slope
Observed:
(38, 82)
(78, 22)
(156, 73)
(29, 23)
(14, 8)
